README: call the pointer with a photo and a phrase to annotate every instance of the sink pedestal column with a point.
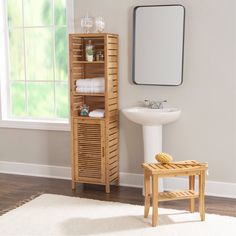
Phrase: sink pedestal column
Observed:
(152, 140)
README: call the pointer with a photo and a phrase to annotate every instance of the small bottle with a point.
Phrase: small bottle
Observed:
(99, 56)
(89, 50)
(84, 110)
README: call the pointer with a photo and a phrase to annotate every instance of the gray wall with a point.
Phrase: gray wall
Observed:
(207, 128)
(35, 146)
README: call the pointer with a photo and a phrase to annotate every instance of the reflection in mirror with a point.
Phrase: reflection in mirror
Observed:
(158, 45)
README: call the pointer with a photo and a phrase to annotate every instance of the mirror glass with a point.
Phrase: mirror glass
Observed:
(158, 45)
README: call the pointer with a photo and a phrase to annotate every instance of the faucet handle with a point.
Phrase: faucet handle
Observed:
(161, 103)
(147, 102)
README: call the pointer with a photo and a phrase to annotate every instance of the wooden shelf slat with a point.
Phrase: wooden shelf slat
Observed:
(176, 195)
(89, 118)
(175, 168)
(88, 62)
(91, 94)
(93, 35)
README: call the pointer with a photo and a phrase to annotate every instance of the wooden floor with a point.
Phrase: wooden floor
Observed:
(17, 188)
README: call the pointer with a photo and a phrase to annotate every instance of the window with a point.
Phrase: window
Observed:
(37, 56)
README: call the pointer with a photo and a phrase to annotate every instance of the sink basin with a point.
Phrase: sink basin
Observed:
(152, 117)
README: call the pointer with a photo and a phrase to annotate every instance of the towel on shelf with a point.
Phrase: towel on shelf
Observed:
(99, 89)
(99, 81)
(98, 113)
(93, 85)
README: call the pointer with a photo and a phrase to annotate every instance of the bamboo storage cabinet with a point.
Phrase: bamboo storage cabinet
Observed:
(95, 141)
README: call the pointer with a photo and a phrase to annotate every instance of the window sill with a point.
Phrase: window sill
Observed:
(36, 125)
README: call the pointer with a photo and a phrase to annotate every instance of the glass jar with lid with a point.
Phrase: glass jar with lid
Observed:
(99, 24)
(87, 23)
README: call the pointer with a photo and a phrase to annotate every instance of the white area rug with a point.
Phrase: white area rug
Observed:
(57, 215)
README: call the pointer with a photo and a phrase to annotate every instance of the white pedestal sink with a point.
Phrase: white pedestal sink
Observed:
(152, 121)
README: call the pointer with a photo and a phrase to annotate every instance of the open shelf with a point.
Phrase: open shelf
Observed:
(94, 35)
(176, 195)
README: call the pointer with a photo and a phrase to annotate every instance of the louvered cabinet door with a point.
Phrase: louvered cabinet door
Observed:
(89, 152)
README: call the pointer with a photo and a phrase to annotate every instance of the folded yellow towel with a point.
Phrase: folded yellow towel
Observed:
(164, 157)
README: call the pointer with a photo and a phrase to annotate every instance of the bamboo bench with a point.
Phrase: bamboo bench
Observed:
(186, 168)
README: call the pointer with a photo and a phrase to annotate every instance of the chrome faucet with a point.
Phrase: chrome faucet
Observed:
(154, 104)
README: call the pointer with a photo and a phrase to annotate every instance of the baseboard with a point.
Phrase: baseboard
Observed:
(131, 180)
(19, 168)
(213, 188)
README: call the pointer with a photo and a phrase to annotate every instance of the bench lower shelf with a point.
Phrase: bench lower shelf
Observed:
(177, 195)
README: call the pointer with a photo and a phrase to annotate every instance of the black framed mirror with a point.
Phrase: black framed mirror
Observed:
(158, 45)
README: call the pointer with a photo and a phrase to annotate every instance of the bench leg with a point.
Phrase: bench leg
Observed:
(154, 200)
(202, 195)
(147, 193)
(192, 187)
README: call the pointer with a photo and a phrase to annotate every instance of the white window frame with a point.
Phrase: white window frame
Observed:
(5, 121)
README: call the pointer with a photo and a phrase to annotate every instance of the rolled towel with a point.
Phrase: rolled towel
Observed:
(83, 90)
(90, 82)
(98, 82)
(90, 89)
(99, 89)
(83, 82)
(98, 113)
(79, 90)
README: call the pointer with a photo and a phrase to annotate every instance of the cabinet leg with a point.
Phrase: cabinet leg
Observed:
(202, 195)
(73, 185)
(154, 200)
(147, 193)
(192, 187)
(107, 188)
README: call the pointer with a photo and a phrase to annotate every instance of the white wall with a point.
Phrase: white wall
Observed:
(206, 130)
